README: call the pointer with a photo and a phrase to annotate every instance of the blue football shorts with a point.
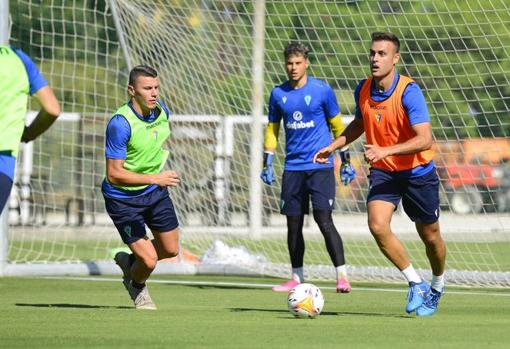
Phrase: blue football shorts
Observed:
(5, 190)
(154, 209)
(419, 195)
(299, 186)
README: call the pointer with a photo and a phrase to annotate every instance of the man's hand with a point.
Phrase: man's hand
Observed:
(267, 174)
(322, 155)
(166, 179)
(347, 171)
(374, 153)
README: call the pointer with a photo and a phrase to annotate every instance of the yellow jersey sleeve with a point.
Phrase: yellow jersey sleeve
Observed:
(271, 136)
(336, 125)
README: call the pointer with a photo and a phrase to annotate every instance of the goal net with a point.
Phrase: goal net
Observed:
(206, 55)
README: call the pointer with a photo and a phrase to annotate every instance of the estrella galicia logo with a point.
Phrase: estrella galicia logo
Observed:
(378, 116)
(297, 115)
(308, 98)
(127, 230)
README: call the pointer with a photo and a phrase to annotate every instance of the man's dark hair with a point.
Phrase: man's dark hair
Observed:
(141, 70)
(381, 36)
(295, 49)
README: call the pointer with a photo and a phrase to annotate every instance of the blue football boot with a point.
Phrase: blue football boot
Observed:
(416, 295)
(431, 303)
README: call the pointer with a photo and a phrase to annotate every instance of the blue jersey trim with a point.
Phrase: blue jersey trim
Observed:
(35, 78)
(418, 171)
(117, 193)
(7, 164)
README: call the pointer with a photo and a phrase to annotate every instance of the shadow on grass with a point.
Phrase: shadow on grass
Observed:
(67, 305)
(328, 313)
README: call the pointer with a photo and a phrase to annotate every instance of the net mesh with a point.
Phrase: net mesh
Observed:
(457, 51)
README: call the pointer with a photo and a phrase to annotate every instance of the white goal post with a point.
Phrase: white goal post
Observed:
(218, 60)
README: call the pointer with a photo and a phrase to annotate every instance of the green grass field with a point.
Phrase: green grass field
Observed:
(234, 312)
(482, 257)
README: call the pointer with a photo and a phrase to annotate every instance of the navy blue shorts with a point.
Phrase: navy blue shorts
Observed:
(5, 190)
(420, 195)
(299, 186)
(130, 216)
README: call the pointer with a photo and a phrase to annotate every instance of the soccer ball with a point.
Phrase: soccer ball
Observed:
(305, 301)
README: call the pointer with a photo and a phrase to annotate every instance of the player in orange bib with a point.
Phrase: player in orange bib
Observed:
(391, 111)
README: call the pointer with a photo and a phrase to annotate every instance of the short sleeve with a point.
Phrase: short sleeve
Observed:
(35, 77)
(118, 133)
(415, 105)
(274, 114)
(331, 106)
(357, 91)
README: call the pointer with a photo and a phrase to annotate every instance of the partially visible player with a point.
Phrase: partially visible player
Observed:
(391, 111)
(135, 187)
(20, 78)
(310, 113)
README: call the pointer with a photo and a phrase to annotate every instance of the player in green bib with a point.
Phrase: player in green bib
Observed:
(135, 186)
(19, 79)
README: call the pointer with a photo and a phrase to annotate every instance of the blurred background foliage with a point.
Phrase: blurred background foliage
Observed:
(461, 62)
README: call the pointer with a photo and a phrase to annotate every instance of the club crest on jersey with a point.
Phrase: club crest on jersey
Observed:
(378, 116)
(297, 115)
(284, 99)
(308, 98)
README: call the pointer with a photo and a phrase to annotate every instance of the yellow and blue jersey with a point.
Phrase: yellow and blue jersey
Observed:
(305, 113)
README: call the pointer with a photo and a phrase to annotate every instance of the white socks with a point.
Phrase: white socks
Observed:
(437, 282)
(341, 272)
(297, 274)
(411, 275)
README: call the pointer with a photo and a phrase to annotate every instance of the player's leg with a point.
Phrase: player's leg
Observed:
(296, 245)
(379, 219)
(435, 246)
(166, 243)
(145, 261)
(128, 217)
(436, 253)
(421, 203)
(294, 205)
(162, 220)
(334, 245)
(321, 185)
(383, 198)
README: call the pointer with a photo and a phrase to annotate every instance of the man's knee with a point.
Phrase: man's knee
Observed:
(430, 234)
(323, 219)
(170, 252)
(378, 227)
(149, 262)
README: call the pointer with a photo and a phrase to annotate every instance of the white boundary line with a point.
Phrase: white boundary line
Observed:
(263, 285)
